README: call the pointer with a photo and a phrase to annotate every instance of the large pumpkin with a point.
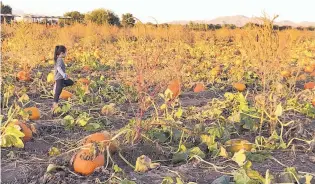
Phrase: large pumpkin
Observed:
(34, 113)
(23, 76)
(65, 94)
(84, 163)
(239, 86)
(103, 137)
(174, 86)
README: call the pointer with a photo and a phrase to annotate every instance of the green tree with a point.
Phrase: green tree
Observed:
(128, 20)
(75, 15)
(5, 9)
(102, 16)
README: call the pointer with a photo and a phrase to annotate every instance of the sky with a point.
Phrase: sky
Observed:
(173, 10)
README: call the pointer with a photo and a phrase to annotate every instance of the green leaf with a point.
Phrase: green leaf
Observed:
(179, 157)
(222, 180)
(92, 126)
(239, 157)
(12, 130)
(279, 110)
(292, 171)
(18, 143)
(81, 122)
(240, 177)
(117, 169)
(179, 181)
(179, 113)
(68, 120)
(196, 151)
(168, 180)
(252, 173)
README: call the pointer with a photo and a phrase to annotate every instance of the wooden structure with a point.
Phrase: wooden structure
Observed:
(8, 18)
(33, 18)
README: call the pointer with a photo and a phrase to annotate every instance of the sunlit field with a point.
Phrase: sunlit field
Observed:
(158, 104)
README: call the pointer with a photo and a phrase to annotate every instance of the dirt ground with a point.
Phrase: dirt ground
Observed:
(29, 165)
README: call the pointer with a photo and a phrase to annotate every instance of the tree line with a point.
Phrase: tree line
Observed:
(102, 16)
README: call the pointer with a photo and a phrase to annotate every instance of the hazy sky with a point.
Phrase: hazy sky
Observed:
(169, 10)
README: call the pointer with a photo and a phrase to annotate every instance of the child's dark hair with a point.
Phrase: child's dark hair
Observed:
(58, 50)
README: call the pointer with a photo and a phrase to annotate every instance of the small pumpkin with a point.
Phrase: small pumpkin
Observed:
(285, 74)
(174, 86)
(199, 88)
(309, 85)
(86, 68)
(85, 164)
(84, 81)
(309, 69)
(65, 94)
(28, 133)
(34, 113)
(239, 86)
(23, 76)
(103, 137)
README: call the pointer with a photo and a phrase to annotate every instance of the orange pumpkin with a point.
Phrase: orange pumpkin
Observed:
(84, 81)
(309, 85)
(239, 86)
(28, 134)
(312, 74)
(286, 74)
(85, 164)
(199, 88)
(309, 69)
(174, 86)
(65, 94)
(23, 76)
(103, 137)
(34, 113)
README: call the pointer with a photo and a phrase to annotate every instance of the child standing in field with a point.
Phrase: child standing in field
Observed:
(61, 78)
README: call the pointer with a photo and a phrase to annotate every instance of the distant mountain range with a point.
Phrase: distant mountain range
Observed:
(237, 20)
(240, 20)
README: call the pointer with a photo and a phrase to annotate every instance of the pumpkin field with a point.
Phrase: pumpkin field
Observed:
(158, 104)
